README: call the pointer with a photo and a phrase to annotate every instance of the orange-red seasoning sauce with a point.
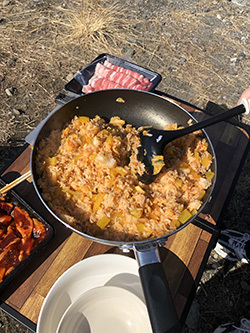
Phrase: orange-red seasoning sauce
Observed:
(19, 235)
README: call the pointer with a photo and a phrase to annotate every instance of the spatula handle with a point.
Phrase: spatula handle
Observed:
(214, 120)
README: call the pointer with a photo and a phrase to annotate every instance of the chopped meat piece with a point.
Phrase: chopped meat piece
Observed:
(19, 235)
(25, 248)
(9, 257)
(9, 249)
(5, 220)
(5, 208)
(24, 223)
(2, 232)
(6, 242)
(39, 230)
(2, 273)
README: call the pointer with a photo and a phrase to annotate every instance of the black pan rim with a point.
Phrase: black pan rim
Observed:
(122, 244)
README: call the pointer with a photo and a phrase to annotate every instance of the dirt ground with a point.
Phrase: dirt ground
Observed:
(201, 49)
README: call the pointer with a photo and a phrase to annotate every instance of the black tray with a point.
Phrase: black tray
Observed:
(82, 78)
(16, 200)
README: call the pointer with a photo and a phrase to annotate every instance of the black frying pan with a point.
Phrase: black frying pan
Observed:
(139, 109)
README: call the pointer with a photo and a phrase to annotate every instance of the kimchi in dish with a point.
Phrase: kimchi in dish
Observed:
(88, 175)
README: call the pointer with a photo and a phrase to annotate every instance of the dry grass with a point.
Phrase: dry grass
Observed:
(76, 34)
(52, 32)
(42, 42)
(95, 26)
(213, 45)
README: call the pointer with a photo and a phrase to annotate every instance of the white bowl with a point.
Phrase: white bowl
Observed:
(107, 310)
(97, 271)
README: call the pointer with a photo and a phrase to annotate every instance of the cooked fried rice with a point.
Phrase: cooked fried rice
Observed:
(88, 176)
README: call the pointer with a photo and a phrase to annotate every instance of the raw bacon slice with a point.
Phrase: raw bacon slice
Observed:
(111, 66)
(87, 88)
(149, 86)
(104, 84)
(126, 81)
(132, 83)
(139, 87)
(135, 75)
(103, 71)
(95, 82)
(116, 77)
(113, 85)
(109, 76)
(142, 79)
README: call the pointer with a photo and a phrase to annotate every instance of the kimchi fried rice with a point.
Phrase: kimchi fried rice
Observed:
(88, 177)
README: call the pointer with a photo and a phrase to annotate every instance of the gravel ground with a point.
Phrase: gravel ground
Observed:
(200, 48)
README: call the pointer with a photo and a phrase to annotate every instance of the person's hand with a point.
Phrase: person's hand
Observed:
(245, 94)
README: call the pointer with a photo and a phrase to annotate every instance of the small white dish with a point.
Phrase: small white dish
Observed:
(108, 310)
(97, 271)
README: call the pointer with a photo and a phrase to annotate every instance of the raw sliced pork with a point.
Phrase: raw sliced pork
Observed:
(109, 76)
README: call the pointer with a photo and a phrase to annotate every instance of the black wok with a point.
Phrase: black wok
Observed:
(139, 109)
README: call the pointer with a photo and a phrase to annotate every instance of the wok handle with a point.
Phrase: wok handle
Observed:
(161, 309)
